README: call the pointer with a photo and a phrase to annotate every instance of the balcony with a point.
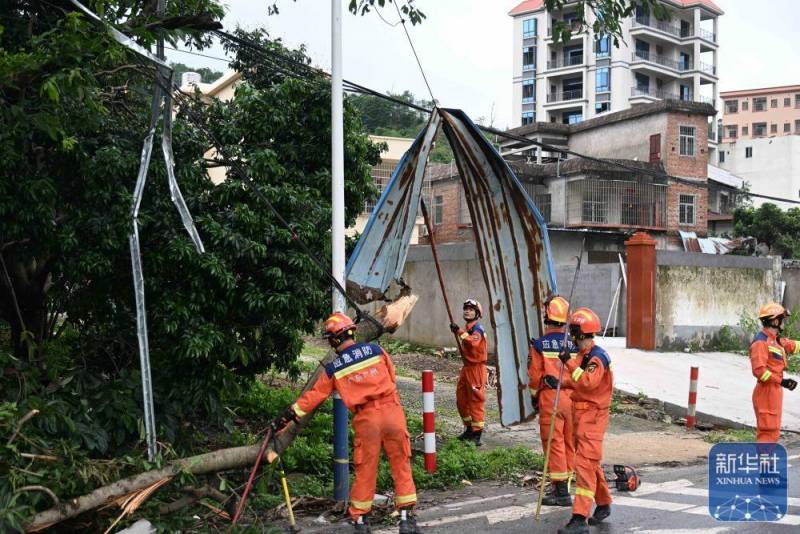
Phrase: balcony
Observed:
(666, 95)
(664, 61)
(565, 96)
(574, 27)
(674, 29)
(565, 62)
(616, 203)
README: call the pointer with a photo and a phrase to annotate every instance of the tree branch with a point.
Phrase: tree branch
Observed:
(43, 489)
(21, 422)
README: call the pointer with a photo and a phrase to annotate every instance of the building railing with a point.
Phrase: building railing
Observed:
(574, 27)
(709, 69)
(674, 29)
(566, 61)
(666, 95)
(615, 203)
(664, 61)
(564, 96)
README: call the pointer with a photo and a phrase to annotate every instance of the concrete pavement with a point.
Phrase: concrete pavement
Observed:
(725, 382)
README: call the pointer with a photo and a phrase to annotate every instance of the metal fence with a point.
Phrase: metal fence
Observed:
(382, 173)
(616, 203)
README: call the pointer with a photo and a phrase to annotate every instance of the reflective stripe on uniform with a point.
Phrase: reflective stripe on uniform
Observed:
(534, 391)
(405, 499)
(776, 350)
(765, 376)
(478, 424)
(464, 336)
(796, 348)
(298, 411)
(357, 367)
(361, 505)
(583, 492)
(550, 355)
(466, 419)
(576, 374)
(559, 476)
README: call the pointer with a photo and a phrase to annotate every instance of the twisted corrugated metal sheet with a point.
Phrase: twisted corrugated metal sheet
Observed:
(510, 235)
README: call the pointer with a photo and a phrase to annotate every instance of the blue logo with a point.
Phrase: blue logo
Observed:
(747, 482)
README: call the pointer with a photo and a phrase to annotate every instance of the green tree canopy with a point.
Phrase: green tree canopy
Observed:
(206, 75)
(769, 224)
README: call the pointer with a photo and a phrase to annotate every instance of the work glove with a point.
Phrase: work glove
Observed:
(789, 384)
(564, 356)
(550, 381)
(288, 416)
(454, 327)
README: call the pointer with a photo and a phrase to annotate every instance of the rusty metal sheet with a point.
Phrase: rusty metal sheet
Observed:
(514, 253)
(381, 251)
(510, 235)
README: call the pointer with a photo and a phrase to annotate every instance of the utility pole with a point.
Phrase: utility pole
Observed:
(341, 470)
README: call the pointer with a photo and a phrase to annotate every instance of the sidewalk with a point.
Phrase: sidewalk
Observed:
(725, 384)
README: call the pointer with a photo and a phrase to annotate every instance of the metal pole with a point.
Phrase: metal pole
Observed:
(341, 467)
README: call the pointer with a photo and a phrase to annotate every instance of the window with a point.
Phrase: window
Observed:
(655, 148)
(773, 128)
(528, 91)
(797, 126)
(595, 206)
(759, 129)
(744, 131)
(572, 117)
(787, 102)
(684, 61)
(721, 156)
(544, 203)
(687, 140)
(787, 127)
(686, 209)
(760, 104)
(731, 106)
(438, 209)
(797, 100)
(529, 58)
(748, 152)
(603, 46)
(773, 103)
(642, 83)
(528, 28)
(601, 107)
(685, 95)
(745, 105)
(731, 131)
(528, 117)
(603, 80)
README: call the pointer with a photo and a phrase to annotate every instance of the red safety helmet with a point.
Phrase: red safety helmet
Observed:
(585, 321)
(475, 305)
(772, 310)
(556, 309)
(338, 324)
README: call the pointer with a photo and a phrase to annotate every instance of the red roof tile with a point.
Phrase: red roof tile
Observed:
(706, 3)
(526, 6)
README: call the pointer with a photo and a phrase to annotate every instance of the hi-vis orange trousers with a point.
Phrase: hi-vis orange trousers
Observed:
(471, 395)
(562, 449)
(590, 426)
(768, 405)
(381, 423)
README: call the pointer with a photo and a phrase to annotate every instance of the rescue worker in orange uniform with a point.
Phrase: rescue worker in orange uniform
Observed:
(364, 376)
(544, 368)
(592, 382)
(768, 353)
(471, 388)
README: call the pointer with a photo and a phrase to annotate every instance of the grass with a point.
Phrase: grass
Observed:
(316, 351)
(396, 346)
(732, 435)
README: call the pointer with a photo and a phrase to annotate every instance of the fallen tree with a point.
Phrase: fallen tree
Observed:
(390, 317)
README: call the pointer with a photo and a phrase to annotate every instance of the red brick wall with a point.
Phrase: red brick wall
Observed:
(701, 208)
(686, 166)
(450, 230)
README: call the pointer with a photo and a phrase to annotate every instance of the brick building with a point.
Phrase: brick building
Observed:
(578, 194)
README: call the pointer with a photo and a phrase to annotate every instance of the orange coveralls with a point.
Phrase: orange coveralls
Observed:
(768, 360)
(471, 387)
(591, 379)
(543, 360)
(364, 376)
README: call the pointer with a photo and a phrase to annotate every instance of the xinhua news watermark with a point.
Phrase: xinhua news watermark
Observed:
(747, 482)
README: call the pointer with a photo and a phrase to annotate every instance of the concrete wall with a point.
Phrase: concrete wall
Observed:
(631, 138)
(428, 323)
(791, 275)
(697, 294)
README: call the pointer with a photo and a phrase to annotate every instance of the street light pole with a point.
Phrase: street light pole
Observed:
(341, 470)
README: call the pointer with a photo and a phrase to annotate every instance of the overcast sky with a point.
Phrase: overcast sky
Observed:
(466, 47)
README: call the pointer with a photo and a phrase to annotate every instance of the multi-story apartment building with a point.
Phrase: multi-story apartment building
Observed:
(760, 141)
(767, 112)
(568, 82)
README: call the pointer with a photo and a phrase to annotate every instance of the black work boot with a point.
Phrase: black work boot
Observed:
(363, 527)
(601, 511)
(409, 525)
(559, 496)
(466, 435)
(576, 525)
(476, 437)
